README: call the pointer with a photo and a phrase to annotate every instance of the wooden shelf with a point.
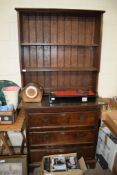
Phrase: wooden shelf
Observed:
(56, 69)
(59, 44)
(60, 48)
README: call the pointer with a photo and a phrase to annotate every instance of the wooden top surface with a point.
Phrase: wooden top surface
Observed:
(50, 10)
(18, 125)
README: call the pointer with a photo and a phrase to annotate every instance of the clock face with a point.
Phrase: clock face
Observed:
(31, 92)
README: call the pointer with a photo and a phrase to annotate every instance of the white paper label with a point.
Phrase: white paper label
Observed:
(84, 99)
(6, 118)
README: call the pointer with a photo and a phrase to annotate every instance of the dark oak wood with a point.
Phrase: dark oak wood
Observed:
(63, 118)
(62, 128)
(62, 137)
(63, 45)
(37, 153)
(60, 50)
(60, 11)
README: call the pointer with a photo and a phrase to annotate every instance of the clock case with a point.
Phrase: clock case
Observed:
(39, 93)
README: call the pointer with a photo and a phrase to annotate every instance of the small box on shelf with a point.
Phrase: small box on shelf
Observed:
(8, 117)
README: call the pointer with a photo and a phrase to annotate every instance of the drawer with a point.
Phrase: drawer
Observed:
(62, 137)
(88, 152)
(62, 119)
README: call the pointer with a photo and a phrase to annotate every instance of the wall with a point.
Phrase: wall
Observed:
(9, 58)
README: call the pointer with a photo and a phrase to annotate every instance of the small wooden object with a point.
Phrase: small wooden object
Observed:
(7, 117)
(32, 93)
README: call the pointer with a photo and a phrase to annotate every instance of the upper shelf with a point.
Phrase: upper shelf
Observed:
(59, 44)
(50, 69)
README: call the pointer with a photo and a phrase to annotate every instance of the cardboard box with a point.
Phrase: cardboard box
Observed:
(106, 147)
(63, 164)
(110, 120)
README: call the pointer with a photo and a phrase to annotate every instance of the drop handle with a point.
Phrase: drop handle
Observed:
(45, 120)
(82, 117)
(45, 137)
(63, 114)
(80, 135)
(63, 133)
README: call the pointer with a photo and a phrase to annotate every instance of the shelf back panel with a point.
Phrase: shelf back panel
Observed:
(58, 56)
(63, 80)
(67, 41)
(59, 29)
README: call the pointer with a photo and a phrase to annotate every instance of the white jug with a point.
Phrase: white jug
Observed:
(11, 95)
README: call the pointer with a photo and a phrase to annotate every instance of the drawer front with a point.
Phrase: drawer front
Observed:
(88, 152)
(62, 137)
(63, 118)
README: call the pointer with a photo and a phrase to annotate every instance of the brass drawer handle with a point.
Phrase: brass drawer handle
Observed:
(62, 133)
(80, 135)
(45, 137)
(45, 120)
(63, 114)
(82, 117)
